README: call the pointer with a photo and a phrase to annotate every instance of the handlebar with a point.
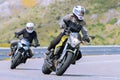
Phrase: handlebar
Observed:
(67, 30)
(88, 43)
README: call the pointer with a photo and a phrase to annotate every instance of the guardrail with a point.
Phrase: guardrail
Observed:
(89, 50)
(107, 49)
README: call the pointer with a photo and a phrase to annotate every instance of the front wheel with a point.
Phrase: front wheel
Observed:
(16, 61)
(62, 66)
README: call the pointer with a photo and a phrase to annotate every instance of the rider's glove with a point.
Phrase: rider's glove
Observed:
(36, 45)
(16, 35)
(86, 38)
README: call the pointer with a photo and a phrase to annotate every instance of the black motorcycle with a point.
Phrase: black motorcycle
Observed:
(20, 53)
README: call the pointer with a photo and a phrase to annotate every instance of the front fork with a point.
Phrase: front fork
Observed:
(75, 52)
(15, 52)
(63, 53)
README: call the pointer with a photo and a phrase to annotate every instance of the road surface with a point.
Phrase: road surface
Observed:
(92, 67)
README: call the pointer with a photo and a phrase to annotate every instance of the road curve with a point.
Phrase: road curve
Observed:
(95, 67)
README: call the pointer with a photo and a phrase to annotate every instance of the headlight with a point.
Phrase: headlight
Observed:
(20, 45)
(26, 47)
(74, 41)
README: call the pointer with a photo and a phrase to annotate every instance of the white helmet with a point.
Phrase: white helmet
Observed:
(79, 12)
(30, 27)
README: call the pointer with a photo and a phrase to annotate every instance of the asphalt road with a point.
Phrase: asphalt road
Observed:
(92, 67)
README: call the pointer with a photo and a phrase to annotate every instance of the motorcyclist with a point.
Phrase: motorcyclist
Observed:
(28, 33)
(75, 19)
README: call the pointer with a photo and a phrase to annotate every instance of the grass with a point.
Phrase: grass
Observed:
(47, 18)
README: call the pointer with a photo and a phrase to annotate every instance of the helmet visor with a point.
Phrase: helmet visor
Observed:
(30, 28)
(81, 13)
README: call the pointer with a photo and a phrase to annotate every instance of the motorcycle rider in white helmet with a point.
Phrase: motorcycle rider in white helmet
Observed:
(76, 19)
(30, 27)
(28, 33)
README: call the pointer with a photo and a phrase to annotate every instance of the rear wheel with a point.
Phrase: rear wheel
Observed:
(62, 66)
(45, 69)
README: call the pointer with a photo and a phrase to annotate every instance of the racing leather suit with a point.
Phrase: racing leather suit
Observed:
(70, 20)
(29, 36)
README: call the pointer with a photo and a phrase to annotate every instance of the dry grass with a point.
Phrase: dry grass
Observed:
(46, 20)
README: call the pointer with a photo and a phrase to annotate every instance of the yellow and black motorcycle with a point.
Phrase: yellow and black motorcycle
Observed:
(66, 52)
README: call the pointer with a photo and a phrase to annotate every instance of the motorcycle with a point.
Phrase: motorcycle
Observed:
(20, 52)
(65, 53)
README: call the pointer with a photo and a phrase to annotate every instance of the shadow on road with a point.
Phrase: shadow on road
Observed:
(78, 75)
(26, 69)
(98, 76)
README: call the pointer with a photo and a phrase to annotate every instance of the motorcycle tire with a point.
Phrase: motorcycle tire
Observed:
(66, 64)
(16, 61)
(45, 69)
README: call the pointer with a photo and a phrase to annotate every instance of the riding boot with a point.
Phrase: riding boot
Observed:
(50, 53)
(13, 47)
(50, 56)
(30, 54)
(10, 53)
